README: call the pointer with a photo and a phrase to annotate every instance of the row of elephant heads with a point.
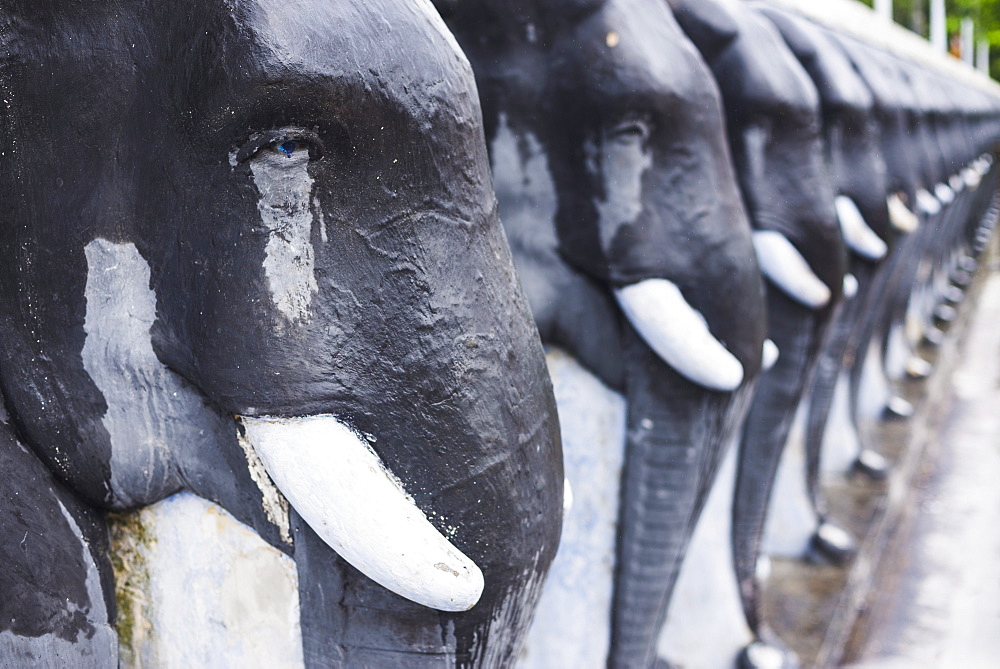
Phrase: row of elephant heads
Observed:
(253, 250)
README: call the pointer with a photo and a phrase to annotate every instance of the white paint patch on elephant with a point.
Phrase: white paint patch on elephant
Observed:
(705, 627)
(285, 189)
(620, 159)
(50, 650)
(528, 204)
(573, 619)
(521, 172)
(209, 591)
(152, 412)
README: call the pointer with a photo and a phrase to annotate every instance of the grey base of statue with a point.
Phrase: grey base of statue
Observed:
(572, 626)
(705, 627)
(197, 588)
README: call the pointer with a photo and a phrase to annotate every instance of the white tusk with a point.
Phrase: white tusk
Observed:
(785, 267)
(340, 487)
(679, 334)
(857, 235)
(972, 178)
(902, 218)
(956, 182)
(945, 194)
(850, 286)
(769, 355)
(927, 203)
(567, 497)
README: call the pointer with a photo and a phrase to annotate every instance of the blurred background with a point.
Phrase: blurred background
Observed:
(968, 29)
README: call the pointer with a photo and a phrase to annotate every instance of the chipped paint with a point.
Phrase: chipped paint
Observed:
(274, 503)
(621, 160)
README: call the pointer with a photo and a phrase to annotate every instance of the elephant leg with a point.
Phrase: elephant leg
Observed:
(676, 434)
(796, 331)
(893, 341)
(829, 542)
(866, 309)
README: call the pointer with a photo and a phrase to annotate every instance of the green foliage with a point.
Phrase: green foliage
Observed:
(913, 14)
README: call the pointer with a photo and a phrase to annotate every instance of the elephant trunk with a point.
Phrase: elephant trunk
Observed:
(676, 435)
(840, 345)
(797, 333)
(350, 621)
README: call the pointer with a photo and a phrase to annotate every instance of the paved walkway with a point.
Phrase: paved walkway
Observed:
(939, 607)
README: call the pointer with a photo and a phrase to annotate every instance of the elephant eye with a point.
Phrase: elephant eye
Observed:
(284, 142)
(631, 131)
(288, 147)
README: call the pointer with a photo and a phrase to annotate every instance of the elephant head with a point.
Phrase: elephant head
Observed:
(893, 102)
(618, 197)
(773, 115)
(257, 241)
(850, 134)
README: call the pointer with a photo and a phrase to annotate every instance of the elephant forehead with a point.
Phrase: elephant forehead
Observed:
(836, 80)
(761, 70)
(401, 48)
(634, 49)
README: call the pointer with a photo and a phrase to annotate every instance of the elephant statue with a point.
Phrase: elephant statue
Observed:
(621, 206)
(251, 251)
(853, 152)
(773, 116)
(909, 205)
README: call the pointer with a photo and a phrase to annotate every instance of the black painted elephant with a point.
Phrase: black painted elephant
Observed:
(621, 206)
(853, 151)
(258, 237)
(774, 126)
(910, 204)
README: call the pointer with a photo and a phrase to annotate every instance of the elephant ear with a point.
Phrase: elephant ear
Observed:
(56, 579)
(707, 24)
